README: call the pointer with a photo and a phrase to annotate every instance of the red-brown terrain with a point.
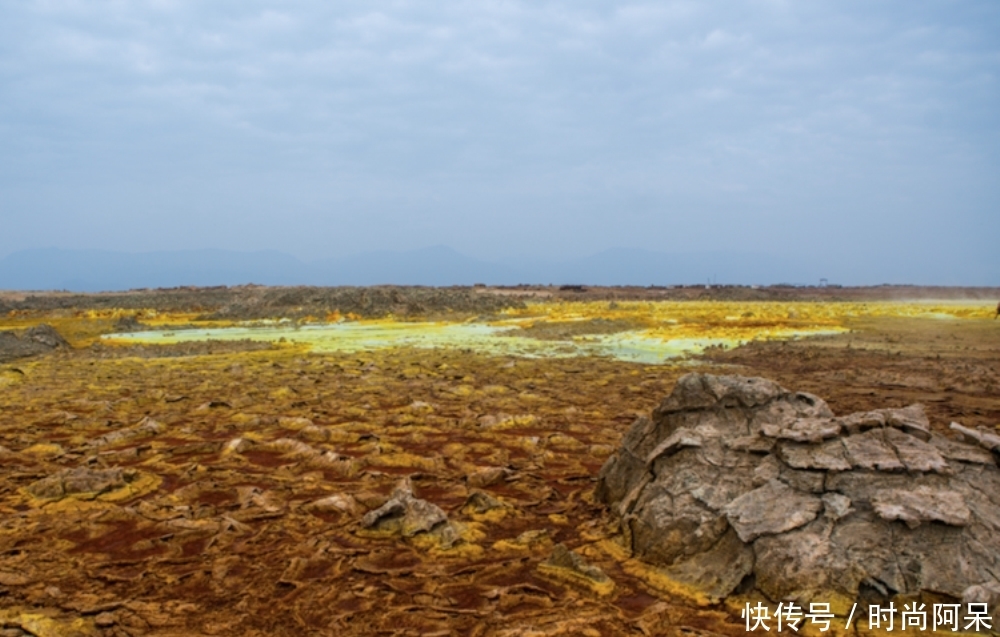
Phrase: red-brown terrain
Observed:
(210, 489)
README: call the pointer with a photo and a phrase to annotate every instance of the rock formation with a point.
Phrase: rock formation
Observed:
(83, 482)
(736, 484)
(36, 340)
(408, 516)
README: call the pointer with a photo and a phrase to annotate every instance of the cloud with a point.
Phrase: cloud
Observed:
(500, 125)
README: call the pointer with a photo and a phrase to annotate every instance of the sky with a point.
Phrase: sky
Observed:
(863, 135)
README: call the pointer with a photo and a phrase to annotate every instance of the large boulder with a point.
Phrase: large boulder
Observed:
(737, 484)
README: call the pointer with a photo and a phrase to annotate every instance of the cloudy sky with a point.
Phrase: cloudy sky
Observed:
(863, 135)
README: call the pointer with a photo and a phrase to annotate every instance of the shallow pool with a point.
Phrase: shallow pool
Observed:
(640, 346)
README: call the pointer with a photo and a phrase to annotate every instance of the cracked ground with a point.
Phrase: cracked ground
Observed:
(220, 489)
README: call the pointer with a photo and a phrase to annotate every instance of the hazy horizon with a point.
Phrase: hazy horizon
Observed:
(98, 270)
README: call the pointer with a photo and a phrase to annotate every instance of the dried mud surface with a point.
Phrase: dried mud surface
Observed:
(952, 367)
(222, 492)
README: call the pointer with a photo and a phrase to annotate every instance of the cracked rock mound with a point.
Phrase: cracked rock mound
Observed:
(738, 484)
(40, 339)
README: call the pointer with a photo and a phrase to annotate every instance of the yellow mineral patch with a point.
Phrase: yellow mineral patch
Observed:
(282, 392)
(41, 625)
(658, 581)
(378, 533)
(454, 450)
(45, 627)
(407, 419)
(11, 376)
(337, 434)
(294, 423)
(244, 419)
(458, 551)
(562, 441)
(407, 460)
(44, 449)
(452, 540)
(493, 516)
(566, 566)
(613, 546)
(255, 436)
(527, 542)
(601, 588)
(143, 483)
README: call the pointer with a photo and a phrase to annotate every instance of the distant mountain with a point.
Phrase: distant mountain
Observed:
(95, 270)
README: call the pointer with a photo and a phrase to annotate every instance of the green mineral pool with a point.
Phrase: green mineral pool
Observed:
(490, 338)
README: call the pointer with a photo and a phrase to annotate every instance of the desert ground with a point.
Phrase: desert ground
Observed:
(237, 487)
